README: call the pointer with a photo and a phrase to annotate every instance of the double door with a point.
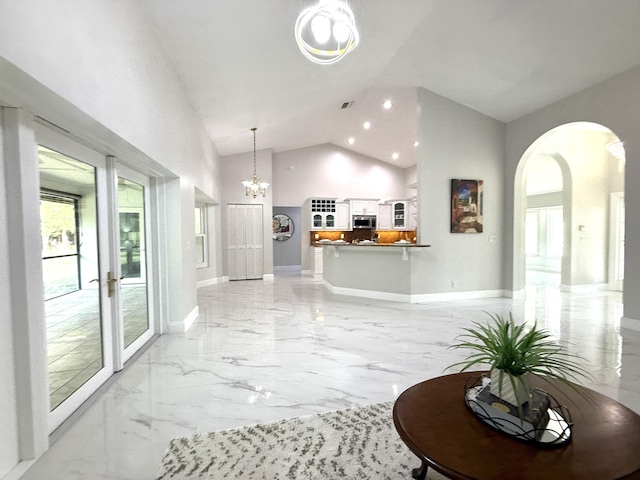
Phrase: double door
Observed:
(95, 261)
(245, 239)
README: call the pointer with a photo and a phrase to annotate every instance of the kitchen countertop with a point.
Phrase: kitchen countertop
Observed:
(347, 244)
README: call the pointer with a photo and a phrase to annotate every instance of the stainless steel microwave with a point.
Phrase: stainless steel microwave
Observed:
(364, 221)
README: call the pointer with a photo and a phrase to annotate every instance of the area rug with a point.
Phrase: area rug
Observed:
(358, 443)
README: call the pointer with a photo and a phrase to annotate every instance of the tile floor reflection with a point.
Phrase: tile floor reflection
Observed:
(262, 352)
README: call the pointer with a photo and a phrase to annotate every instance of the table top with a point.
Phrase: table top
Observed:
(435, 423)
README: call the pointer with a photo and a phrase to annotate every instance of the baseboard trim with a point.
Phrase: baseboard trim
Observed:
(287, 269)
(268, 277)
(407, 298)
(588, 288)
(630, 323)
(355, 292)
(185, 325)
(515, 294)
(448, 296)
(211, 281)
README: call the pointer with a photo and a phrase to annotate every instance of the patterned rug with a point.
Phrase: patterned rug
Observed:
(347, 444)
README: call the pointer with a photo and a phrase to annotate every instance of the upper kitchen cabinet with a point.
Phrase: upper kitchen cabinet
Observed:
(397, 215)
(326, 214)
(384, 217)
(363, 206)
(343, 218)
(399, 209)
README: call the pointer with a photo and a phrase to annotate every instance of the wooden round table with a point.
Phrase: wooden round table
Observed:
(435, 423)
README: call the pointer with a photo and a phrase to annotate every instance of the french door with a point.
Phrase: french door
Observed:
(94, 224)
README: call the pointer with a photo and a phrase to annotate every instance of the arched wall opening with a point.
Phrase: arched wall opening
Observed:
(592, 178)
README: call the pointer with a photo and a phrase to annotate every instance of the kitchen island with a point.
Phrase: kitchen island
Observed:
(390, 271)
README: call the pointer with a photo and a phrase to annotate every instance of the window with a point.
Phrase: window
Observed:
(544, 232)
(555, 232)
(201, 237)
(60, 259)
(532, 233)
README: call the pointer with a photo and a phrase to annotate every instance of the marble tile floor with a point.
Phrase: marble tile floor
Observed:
(265, 351)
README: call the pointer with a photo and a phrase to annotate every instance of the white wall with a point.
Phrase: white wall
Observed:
(457, 142)
(331, 171)
(614, 104)
(102, 59)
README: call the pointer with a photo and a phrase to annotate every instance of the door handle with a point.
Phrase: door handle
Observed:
(111, 283)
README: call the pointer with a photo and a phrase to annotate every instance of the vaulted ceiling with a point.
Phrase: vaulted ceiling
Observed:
(242, 68)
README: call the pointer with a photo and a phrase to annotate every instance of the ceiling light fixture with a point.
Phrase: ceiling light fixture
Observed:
(351, 140)
(616, 149)
(416, 143)
(326, 32)
(255, 187)
(366, 125)
(387, 104)
(395, 156)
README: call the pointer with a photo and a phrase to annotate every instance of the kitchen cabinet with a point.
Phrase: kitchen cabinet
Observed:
(343, 219)
(317, 260)
(399, 212)
(323, 213)
(384, 217)
(363, 206)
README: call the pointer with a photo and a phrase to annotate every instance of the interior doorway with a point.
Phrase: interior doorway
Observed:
(246, 244)
(566, 224)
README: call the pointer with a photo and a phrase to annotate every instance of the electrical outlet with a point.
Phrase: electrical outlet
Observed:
(454, 283)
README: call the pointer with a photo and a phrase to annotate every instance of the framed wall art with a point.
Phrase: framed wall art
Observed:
(466, 206)
(282, 227)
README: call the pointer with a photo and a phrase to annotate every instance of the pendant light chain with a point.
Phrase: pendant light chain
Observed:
(254, 149)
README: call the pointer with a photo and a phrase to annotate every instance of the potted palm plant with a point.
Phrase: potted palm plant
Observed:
(513, 354)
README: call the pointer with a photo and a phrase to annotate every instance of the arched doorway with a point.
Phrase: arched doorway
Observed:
(592, 178)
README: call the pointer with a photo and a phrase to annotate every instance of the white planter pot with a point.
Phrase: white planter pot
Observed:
(505, 390)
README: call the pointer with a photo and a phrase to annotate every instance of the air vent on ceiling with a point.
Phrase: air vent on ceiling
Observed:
(347, 104)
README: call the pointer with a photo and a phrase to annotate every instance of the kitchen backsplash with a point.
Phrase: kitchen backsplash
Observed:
(384, 236)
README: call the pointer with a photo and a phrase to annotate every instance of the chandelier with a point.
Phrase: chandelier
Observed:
(326, 32)
(616, 149)
(255, 187)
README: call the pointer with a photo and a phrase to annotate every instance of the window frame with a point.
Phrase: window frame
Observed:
(201, 214)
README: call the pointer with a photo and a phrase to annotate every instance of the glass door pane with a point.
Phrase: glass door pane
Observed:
(133, 259)
(69, 227)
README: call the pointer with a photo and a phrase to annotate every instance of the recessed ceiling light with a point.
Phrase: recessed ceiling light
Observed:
(416, 143)
(395, 156)
(367, 125)
(351, 140)
(387, 104)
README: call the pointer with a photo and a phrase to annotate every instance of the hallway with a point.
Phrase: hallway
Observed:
(265, 351)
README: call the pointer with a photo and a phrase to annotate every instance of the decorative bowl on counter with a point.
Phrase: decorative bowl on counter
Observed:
(402, 242)
(366, 242)
(338, 241)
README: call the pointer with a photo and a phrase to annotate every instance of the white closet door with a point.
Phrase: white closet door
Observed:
(254, 235)
(245, 241)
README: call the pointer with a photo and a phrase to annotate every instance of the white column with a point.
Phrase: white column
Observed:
(25, 273)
